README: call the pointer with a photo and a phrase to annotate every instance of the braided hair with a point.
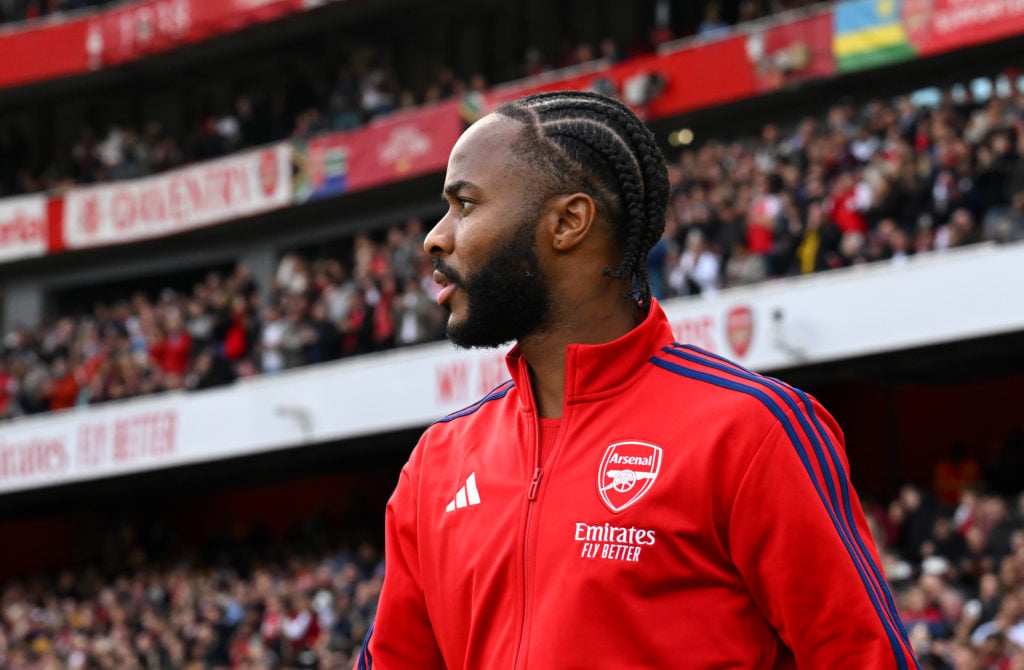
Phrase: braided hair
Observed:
(594, 144)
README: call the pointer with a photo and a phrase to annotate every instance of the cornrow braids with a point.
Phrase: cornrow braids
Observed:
(588, 142)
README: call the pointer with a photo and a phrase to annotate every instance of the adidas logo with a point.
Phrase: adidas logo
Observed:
(467, 495)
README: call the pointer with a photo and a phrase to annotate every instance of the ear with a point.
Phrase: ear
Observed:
(576, 216)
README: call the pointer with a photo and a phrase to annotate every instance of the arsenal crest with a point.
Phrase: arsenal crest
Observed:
(268, 172)
(627, 472)
(739, 325)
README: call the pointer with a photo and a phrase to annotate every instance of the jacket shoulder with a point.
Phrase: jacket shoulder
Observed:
(498, 393)
(725, 384)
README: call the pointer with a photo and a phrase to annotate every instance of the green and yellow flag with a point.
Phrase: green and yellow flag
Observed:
(869, 33)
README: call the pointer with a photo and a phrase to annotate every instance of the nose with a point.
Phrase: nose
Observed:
(438, 241)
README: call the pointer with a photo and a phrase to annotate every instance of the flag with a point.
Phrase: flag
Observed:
(869, 33)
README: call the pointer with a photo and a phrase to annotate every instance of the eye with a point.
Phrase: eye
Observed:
(464, 204)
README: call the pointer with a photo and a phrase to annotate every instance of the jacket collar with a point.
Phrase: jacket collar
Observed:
(593, 371)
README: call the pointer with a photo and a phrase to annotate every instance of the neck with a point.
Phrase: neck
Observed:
(544, 351)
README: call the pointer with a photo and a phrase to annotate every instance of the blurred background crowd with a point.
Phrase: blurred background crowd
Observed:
(224, 328)
(336, 94)
(879, 182)
(953, 555)
(233, 602)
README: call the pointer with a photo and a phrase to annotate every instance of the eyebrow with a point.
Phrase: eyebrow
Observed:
(453, 188)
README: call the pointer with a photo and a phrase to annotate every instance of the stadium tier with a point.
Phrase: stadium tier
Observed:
(221, 335)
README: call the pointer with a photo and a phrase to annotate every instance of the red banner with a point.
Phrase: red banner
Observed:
(936, 26)
(127, 33)
(43, 53)
(402, 145)
(694, 77)
(153, 26)
(792, 52)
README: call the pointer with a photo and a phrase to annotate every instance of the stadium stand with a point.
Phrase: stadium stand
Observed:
(255, 606)
(874, 177)
(247, 601)
(345, 95)
(881, 182)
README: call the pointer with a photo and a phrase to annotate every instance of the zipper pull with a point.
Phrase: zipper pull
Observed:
(535, 483)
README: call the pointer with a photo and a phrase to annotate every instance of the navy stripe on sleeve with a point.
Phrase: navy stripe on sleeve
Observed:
(780, 388)
(892, 633)
(365, 659)
(500, 391)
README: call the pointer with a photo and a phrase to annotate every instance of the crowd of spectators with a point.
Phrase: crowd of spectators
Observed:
(383, 296)
(954, 557)
(361, 90)
(361, 87)
(305, 601)
(877, 183)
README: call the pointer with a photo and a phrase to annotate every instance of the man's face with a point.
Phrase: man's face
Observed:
(484, 247)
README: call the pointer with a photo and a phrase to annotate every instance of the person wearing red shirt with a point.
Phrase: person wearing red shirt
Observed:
(623, 501)
(844, 209)
(173, 347)
(64, 387)
(762, 218)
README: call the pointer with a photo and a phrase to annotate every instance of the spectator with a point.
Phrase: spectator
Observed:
(699, 269)
(415, 315)
(273, 340)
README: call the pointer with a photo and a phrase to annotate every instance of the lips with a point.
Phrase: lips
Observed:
(447, 287)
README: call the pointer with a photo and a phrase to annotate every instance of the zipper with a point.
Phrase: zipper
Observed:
(531, 497)
(534, 485)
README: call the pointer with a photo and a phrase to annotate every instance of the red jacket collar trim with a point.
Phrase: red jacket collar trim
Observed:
(599, 369)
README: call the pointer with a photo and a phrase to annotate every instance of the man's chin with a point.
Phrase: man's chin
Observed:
(465, 336)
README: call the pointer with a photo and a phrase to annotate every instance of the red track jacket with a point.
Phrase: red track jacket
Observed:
(690, 514)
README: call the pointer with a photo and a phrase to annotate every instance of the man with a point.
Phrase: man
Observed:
(622, 501)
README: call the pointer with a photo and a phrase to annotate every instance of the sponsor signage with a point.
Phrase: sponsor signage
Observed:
(126, 33)
(216, 191)
(139, 29)
(23, 228)
(937, 26)
(403, 145)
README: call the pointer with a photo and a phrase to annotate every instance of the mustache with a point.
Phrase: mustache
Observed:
(448, 271)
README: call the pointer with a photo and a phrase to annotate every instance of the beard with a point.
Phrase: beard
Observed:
(507, 299)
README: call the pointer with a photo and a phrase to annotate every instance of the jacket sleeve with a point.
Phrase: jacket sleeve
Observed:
(401, 637)
(799, 538)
